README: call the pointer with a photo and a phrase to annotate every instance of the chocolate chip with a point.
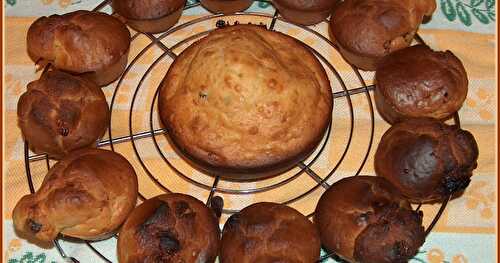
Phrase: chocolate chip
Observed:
(399, 250)
(34, 226)
(220, 23)
(181, 207)
(161, 212)
(453, 184)
(216, 204)
(64, 131)
(168, 242)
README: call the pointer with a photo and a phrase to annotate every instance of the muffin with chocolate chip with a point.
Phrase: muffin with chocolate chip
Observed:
(418, 82)
(367, 30)
(169, 228)
(365, 219)
(60, 113)
(269, 232)
(427, 160)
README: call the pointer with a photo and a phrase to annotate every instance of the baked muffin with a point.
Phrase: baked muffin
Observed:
(367, 30)
(245, 102)
(426, 160)
(150, 16)
(305, 12)
(226, 6)
(269, 232)
(365, 219)
(60, 113)
(79, 42)
(86, 195)
(169, 228)
(418, 82)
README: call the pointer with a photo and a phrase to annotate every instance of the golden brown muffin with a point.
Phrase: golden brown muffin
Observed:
(365, 219)
(151, 16)
(60, 113)
(418, 82)
(367, 30)
(80, 42)
(169, 228)
(226, 6)
(426, 160)
(268, 233)
(86, 195)
(245, 102)
(305, 12)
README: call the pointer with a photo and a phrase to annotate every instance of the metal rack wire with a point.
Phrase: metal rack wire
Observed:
(155, 132)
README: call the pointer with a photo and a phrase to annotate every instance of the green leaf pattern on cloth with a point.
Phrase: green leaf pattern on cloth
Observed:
(482, 10)
(28, 257)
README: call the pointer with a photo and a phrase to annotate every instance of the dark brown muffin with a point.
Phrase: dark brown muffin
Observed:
(226, 6)
(150, 16)
(305, 12)
(365, 219)
(60, 113)
(80, 42)
(169, 228)
(268, 233)
(367, 30)
(417, 82)
(245, 102)
(426, 160)
(86, 195)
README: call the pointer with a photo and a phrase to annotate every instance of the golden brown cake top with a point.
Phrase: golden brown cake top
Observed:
(245, 97)
(81, 41)
(146, 9)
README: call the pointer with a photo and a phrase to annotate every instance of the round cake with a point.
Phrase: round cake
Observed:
(245, 102)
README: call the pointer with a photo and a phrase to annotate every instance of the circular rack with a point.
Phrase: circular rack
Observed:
(144, 96)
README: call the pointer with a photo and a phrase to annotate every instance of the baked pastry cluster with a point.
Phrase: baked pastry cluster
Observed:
(245, 102)
(150, 16)
(79, 42)
(367, 30)
(86, 195)
(169, 228)
(60, 113)
(418, 82)
(269, 232)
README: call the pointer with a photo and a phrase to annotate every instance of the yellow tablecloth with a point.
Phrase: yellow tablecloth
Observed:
(465, 233)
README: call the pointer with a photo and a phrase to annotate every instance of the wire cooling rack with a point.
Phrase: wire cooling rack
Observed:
(167, 173)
